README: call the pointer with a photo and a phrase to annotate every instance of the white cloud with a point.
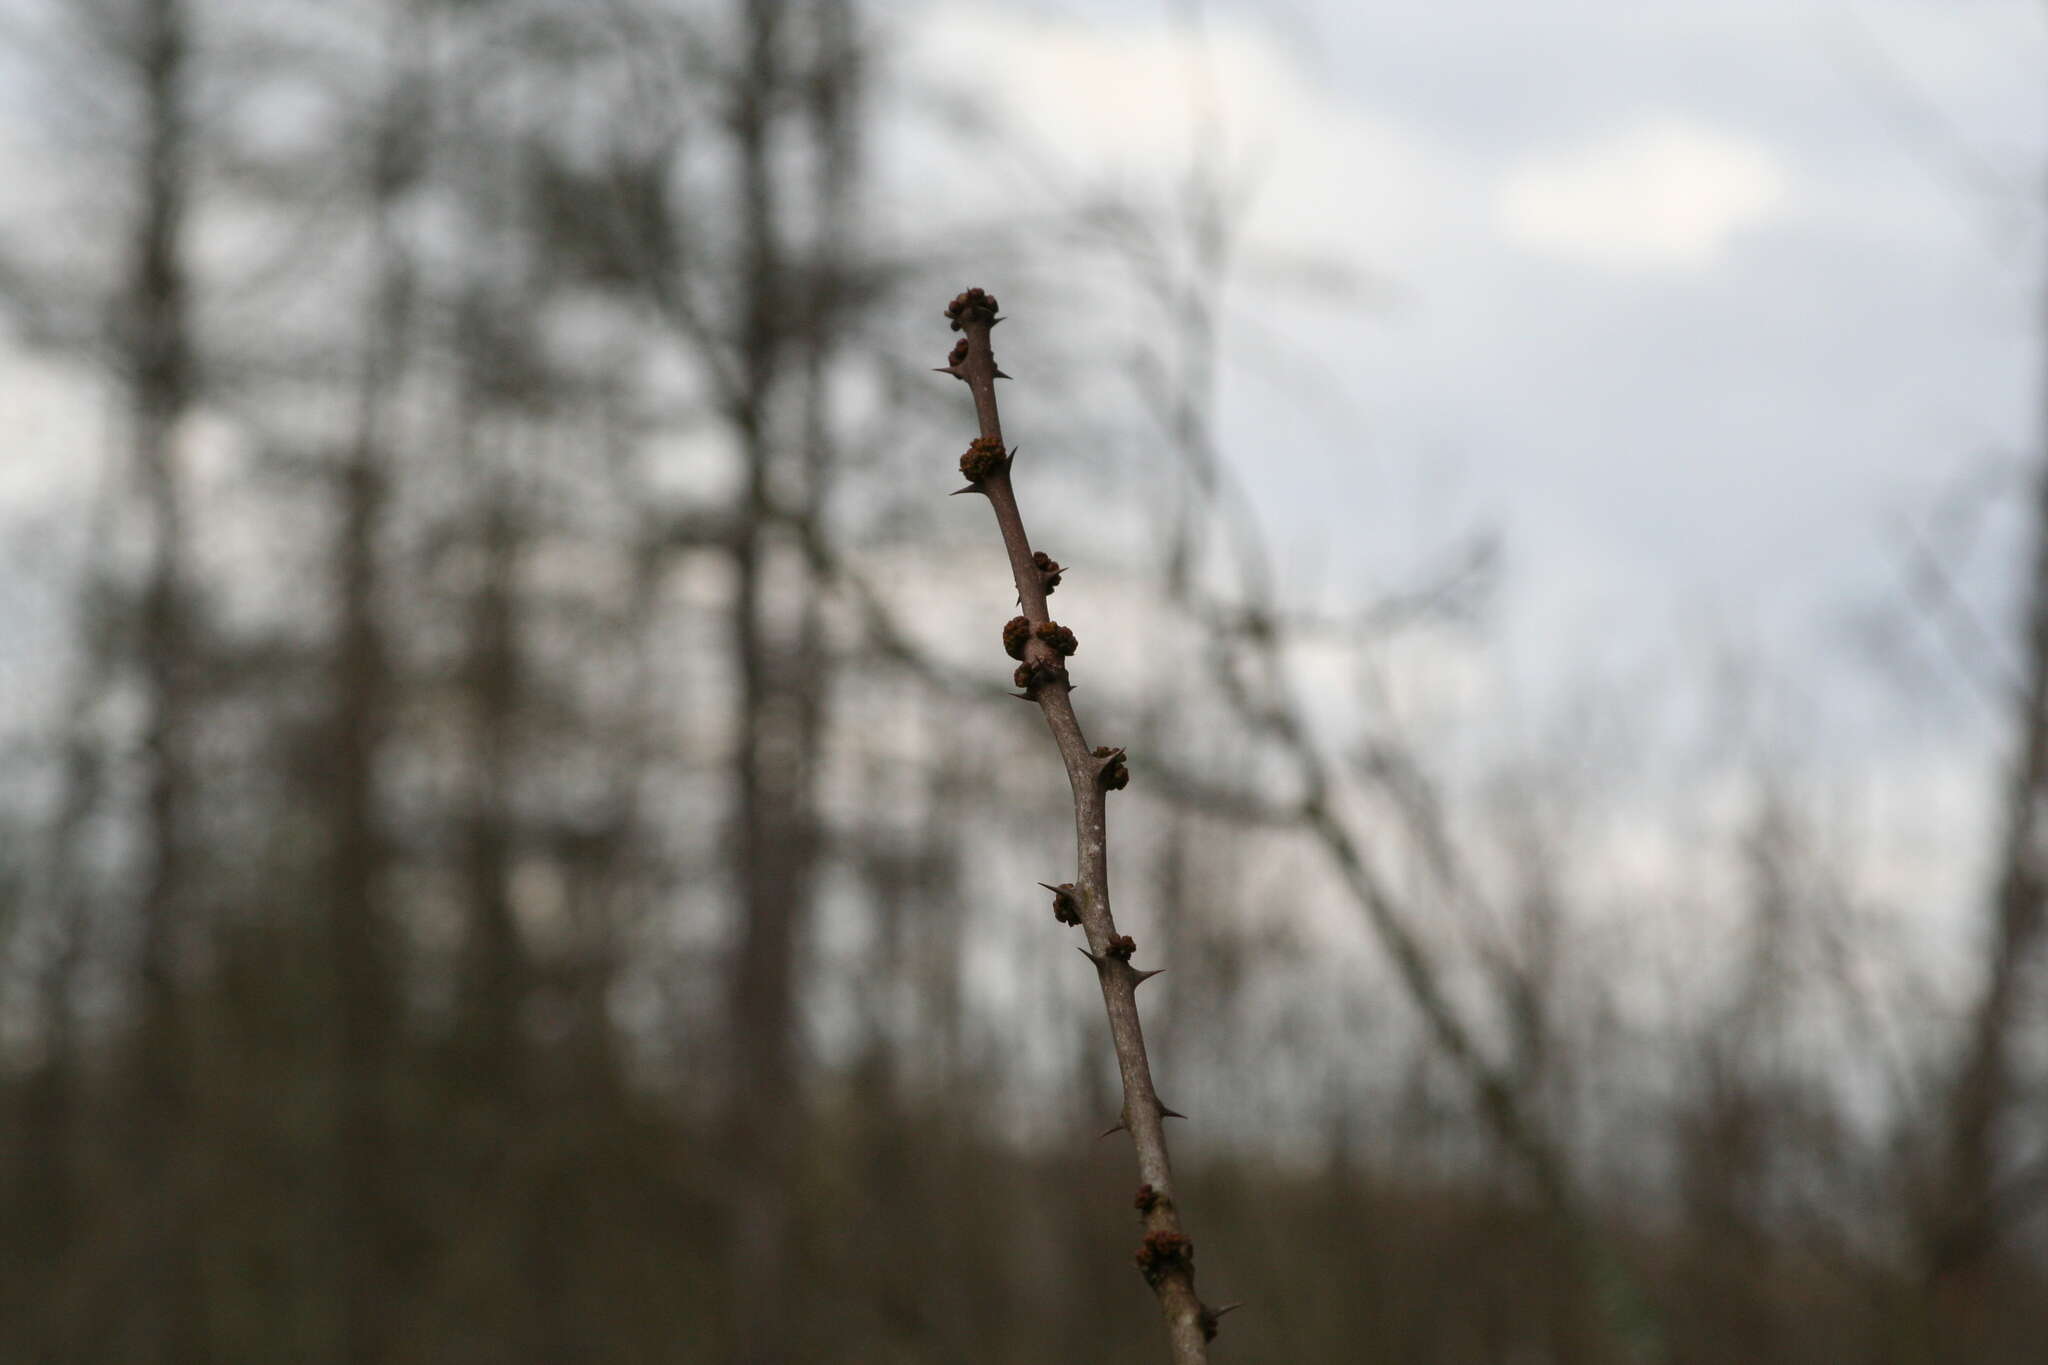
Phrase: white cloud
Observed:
(1120, 103)
(1667, 193)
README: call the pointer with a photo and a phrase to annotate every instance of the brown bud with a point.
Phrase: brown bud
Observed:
(1122, 946)
(983, 458)
(1015, 636)
(1033, 672)
(1049, 571)
(1161, 1252)
(957, 355)
(965, 307)
(1115, 774)
(1065, 907)
(1058, 636)
(1147, 1200)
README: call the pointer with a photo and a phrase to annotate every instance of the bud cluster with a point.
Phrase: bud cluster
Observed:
(1016, 635)
(1162, 1252)
(983, 458)
(1058, 636)
(1049, 571)
(1032, 672)
(975, 304)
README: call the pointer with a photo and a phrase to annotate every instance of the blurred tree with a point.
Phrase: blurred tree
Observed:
(367, 1009)
(163, 1315)
(1963, 1236)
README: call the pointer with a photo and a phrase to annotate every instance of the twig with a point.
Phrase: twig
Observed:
(1041, 646)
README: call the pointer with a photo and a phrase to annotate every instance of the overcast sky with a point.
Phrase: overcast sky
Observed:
(1701, 303)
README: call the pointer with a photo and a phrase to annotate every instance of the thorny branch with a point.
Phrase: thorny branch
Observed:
(1041, 646)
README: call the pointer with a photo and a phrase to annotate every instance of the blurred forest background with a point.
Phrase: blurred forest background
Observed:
(511, 849)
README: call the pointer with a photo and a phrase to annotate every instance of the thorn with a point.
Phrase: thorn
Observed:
(971, 488)
(1000, 375)
(1022, 696)
(1050, 887)
(1140, 978)
(1208, 1319)
(1166, 1113)
(948, 369)
(993, 321)
(1084, 952)
(1115, 1128)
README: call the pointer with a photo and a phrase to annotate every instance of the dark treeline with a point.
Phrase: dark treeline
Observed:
(518, 857)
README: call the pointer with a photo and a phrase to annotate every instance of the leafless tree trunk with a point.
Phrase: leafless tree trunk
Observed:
(358, 924)
(157, 349)
(1962, 1239)
(783, 340)
(494, 969)
(49, 1201)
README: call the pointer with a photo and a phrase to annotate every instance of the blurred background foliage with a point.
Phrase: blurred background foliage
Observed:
(512, 851)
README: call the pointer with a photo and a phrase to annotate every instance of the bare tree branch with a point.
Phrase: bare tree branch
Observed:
(1041, 645)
